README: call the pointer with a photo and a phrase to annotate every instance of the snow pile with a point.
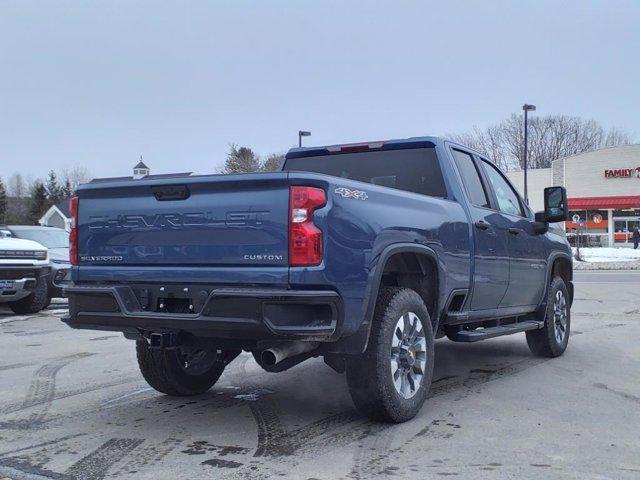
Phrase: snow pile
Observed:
(608, 254)
(254, 395)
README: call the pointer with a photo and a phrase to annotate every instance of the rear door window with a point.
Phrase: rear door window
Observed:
(471, 178)
(414, 170)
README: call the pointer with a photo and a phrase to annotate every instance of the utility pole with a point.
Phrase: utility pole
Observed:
(527, 108)
(302, 133)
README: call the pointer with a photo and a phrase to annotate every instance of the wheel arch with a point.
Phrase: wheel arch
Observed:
(406, 265)
(560, 264)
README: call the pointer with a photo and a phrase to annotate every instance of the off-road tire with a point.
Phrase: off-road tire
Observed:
(163, 372)
(369, 374)
(34, 302)
(543, 342)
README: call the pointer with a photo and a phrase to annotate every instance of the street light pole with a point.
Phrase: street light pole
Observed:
(302, 133)
(527, 108)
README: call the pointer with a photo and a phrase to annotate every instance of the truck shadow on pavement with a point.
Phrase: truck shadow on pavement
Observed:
(250, 415)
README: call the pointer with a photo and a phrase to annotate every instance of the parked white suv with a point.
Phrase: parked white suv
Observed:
(24, 268)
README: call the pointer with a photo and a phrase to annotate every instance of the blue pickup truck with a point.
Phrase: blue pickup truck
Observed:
(361, 253)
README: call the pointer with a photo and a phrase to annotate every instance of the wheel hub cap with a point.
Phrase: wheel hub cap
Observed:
(560, 316)
(408, 355)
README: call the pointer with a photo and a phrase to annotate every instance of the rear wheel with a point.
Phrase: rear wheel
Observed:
(179, 371)
(552, 339)
(390, 380)
(34, 302)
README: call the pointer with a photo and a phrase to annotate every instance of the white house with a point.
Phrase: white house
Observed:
(57, 216)
(140, 170)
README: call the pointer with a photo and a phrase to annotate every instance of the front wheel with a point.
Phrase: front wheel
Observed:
(551, 340)
(390, 380)
(34, 302)
(179, 372)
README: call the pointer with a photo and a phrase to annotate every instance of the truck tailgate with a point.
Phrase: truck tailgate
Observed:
(218, 220)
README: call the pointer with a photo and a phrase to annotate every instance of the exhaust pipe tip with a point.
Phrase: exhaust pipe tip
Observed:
(275, 355)
(269, 358)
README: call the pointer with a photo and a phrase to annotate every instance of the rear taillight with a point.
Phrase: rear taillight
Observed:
(305, 238)
(74, 203)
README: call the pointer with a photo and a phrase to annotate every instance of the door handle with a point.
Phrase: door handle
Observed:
(514, 231)
(482, 225)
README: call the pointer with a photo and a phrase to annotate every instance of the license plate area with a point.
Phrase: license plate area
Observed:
(7, 284)
(171, 298)
(175, 305)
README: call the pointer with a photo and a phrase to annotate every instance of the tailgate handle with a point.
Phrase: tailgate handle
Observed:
(171, 192)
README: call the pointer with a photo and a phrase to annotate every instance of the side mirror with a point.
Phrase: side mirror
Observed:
(540, 226)
(556, 207)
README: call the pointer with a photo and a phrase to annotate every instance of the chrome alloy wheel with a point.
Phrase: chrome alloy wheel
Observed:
(408, 355)
(560, 316)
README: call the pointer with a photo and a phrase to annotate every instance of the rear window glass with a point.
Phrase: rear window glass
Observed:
(414, 170)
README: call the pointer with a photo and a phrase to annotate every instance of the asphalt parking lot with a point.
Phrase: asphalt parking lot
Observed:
(73, 406)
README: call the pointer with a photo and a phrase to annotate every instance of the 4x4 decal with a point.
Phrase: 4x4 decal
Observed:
(346, 193)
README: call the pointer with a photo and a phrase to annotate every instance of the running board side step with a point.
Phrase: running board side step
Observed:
(469, 336)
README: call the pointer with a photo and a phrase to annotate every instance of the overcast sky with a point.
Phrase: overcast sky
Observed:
(99, 83)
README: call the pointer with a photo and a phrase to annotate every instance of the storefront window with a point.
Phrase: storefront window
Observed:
(624, 221)
(594, 221)
(591, 227)
(588, 228)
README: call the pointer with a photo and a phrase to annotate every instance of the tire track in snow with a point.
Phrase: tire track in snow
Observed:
(96, 465)
(41, 393)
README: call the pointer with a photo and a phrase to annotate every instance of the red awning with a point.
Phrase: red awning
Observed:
(603, 203)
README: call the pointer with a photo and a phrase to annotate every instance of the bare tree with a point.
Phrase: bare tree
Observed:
(550, 137)
(74, 176)
(17, 186)
(490, 142)
(3, 202)
(17, 202)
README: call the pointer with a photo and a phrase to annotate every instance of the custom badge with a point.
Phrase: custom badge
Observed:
(346, 193)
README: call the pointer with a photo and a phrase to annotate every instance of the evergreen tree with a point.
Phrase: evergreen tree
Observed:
(54, 190)
(241, 160)
(273, 163)
(38, 202)
(66, 190)
(3, 203)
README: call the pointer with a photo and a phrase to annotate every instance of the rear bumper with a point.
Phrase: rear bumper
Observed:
(220, 312)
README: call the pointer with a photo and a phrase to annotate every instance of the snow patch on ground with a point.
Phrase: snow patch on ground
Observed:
(254, 395)
(608, 254)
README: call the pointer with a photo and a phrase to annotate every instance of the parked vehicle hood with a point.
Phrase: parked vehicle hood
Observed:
(59, 254)
(19, 244)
